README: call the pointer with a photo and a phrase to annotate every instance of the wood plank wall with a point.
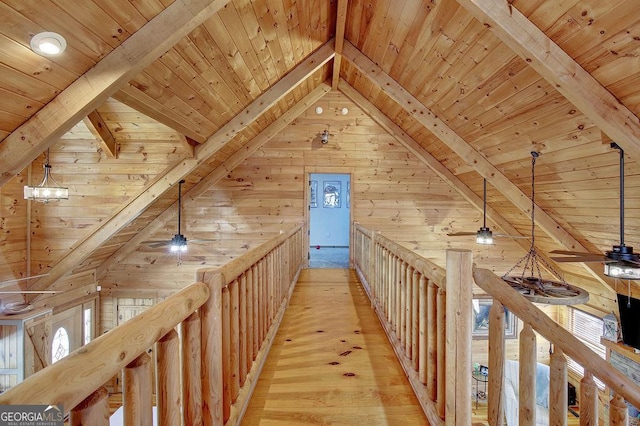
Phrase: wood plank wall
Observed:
(13, 233)
(391, 191)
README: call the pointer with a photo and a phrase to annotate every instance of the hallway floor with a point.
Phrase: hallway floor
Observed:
(328, 257)
(331, 363)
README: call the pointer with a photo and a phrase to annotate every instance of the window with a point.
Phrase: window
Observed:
(587, 328)
(60, 345)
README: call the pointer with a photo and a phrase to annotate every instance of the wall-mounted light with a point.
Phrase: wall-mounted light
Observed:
(325, 137)
(48, 44)
(46, 191)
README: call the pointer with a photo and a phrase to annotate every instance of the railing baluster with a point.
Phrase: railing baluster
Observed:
(168, 379)
(433, 340)
(402, 305)
(618, 412)
(588, 400)
(527, 376)
(137, 390)
(558, 388)
(243, 327)
(94, 410)
(415, 318)
(441, 302)
(191, 370)
(495, 401)
(234, 344)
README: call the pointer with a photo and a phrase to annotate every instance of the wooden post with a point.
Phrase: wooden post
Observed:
(527, 376)
(168, 379)
(251, 354)
(558, 388)
(137, 391)
(92, 411)
(618, 411)
(191, 370)
(495, 407)
(588, 400)
(211, 319)
(459, 289)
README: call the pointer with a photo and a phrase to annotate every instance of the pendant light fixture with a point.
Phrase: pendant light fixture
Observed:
(530, 282)
(48, 190)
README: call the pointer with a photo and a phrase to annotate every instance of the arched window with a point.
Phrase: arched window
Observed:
(60, 345)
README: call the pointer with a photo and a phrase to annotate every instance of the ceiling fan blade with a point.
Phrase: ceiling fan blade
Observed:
(510, 236)
(156, 244)
(204, 240)
(581, 259)
(574, 253)
(461, 234)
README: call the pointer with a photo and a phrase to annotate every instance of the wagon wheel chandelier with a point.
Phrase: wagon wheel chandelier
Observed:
(530, 282)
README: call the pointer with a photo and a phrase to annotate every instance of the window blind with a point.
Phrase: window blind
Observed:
(587, 328)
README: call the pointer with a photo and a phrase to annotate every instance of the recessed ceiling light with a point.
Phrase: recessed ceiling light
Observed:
(318, 110)
(344, 111)
(48, 44)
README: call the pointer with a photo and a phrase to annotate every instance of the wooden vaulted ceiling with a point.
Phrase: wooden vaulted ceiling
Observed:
(471, 87)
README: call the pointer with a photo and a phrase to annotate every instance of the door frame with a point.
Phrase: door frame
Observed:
(308, 170)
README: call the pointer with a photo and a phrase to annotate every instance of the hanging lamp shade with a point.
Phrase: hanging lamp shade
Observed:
(49, 190)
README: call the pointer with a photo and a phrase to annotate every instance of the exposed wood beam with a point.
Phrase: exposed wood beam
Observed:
(188, 144)
(96, 85)
(444, 173)
(139, 202)
(340, 26)
(472, 157)
(140, 101)
(100, 131)
(559, 69)
(218, 173)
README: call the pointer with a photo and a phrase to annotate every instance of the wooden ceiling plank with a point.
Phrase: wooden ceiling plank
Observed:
(218, 173)
(103, 80)
(98, 128)
(445, 174)
(162, 113)
(560, 70)
(439, 128)
(164, 181)
(340, 26)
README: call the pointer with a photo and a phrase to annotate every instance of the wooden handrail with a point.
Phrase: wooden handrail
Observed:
(98, 361)
(237, 266)
(424, 266)
(556, 334)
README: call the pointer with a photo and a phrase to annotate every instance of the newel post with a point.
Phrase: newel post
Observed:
(459, 292)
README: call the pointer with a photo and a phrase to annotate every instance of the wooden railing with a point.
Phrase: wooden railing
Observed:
(408, 295)
(422, 306)
(227, 322)
(564, 344)
(240, 320)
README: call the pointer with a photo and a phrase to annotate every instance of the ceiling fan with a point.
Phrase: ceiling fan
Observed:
(177, 244)
(19, 307)
(620, 262)
(484, 235)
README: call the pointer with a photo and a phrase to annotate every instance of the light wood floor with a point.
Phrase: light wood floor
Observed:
(331, 362)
